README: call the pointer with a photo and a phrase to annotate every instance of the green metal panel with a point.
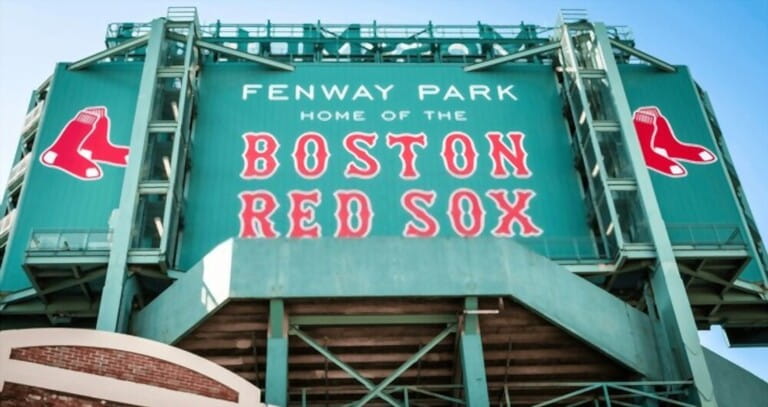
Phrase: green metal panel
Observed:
(53, 199)
(700, 208)
(224, 117)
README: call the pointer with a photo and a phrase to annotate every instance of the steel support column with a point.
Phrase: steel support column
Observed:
(130, 289)
(675, 315)
(277, 355)
(472, 360)
(111, 297)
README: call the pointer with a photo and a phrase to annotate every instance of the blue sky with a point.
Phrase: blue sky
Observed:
(725, 44)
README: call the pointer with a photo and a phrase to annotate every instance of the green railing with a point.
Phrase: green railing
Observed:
(61, 242)
(404, 393)
(706, 236)
(578, 249)
(611, 393)
(669, 393)
(5, 224)
(64, 242)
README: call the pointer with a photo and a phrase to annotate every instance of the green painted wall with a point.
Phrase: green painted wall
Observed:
(224, 117)
(54, 200)
(735, 386)
(703, 199)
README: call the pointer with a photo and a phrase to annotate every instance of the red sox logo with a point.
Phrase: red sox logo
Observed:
(662, 151)
(82, 144)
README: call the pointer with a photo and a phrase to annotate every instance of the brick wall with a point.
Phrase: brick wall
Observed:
(19, 395)
(123, 365)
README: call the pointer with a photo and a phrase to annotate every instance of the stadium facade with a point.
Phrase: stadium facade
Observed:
(378, 214)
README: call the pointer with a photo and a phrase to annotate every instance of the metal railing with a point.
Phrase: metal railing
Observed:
(18, 170)
(609, 393)
(405, 393)
(706, 235)
(5, 224)
(62, 242)
(182, 14)
(571, 249)
(32, 117)
(602, 393)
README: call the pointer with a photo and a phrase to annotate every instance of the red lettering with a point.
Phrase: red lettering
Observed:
(371, 168)
(513, 213)
(255, 214)
(475, 211)
(414, 201)
(302, 214)
(468, 154)
(408, 154)
(516, 155)
(344, 214)
(301, 155)
(260, 162)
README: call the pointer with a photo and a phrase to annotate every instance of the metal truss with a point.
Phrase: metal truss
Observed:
(630, 394)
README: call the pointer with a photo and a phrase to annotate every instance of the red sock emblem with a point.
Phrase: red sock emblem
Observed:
(668, 145)
(97, 146)
(83, 142)
(661, 149)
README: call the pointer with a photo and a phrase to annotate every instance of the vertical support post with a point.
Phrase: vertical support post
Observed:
(676, 317)
(180, 145)
(111, 296)
(277, 355)
(130, 289)
(650, 402)
(607, 396)
(472, 360)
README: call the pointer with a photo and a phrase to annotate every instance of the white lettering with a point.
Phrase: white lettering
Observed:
(425, 90)
(250, 89)
(277, 92)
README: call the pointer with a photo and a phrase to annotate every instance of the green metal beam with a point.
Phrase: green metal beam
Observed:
(340, 363)
(650, 395)
(643, 56)
(676, 317)
(377, 391)
(245, 55)
(81, 307)
(236, 53)
(568, 395)
(542, 49)
(276, 392)
(18, 296)
(187, 95)
(472, 360)
(449, 399)
(111, 298)
(62, 285)
(120, 49)
(330, 320)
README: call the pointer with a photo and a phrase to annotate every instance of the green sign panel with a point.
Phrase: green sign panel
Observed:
(357, 151)
(687, 167)
(77, 166)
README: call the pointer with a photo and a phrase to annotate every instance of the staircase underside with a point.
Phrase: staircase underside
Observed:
(521, 350)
